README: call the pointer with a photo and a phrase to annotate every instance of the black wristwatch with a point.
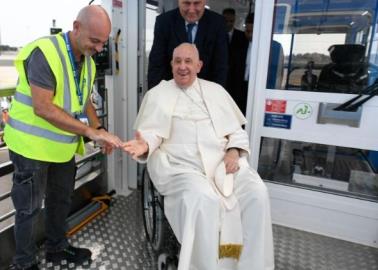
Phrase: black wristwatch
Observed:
(101, 127)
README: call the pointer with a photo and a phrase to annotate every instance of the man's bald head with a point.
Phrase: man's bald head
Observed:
(91, 30)
(94, 17)
(189, 48)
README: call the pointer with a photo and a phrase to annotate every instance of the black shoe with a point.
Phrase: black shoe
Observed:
(33, 267)
(70, 254)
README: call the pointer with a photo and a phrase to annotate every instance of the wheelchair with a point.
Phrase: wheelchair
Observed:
(158, 231)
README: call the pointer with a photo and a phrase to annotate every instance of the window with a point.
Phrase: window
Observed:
(323, 46)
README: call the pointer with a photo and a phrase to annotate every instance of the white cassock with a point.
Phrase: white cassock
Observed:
(188, 132)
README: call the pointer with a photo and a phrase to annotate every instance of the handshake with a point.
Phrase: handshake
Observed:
(136, 147)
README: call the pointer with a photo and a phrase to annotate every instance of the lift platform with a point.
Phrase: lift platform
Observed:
(117, 241)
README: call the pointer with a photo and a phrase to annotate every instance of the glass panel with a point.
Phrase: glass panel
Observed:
(323, 167)
(324, 46)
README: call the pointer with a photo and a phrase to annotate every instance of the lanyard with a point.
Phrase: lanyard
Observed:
(75, 72)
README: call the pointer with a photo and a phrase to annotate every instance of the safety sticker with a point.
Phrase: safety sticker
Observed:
(277, 120)
(303, 110)
(275, 105)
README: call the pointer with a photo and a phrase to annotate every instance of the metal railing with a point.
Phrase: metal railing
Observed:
(7, 91)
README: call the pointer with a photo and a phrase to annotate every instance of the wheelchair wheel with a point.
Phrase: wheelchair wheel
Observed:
(148, 206)
(166, 262)
(155, 224)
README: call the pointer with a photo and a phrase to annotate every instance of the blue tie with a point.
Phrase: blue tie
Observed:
(190, 28)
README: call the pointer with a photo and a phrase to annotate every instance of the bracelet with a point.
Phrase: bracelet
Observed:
(101, 127)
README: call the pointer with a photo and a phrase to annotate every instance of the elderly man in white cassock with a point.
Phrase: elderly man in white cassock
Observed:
(189, 133)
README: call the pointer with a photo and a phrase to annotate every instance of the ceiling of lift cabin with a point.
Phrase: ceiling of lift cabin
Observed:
(216, 5)
(240, 6)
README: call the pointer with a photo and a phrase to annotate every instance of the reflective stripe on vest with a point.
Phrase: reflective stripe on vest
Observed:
(37, 131)
(89, 66)
(22, 98)
(27, 100)
(67, 93)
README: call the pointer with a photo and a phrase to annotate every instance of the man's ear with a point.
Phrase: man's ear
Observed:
(76, 25)
(199, 66)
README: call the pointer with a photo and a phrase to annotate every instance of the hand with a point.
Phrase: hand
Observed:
(106, 149)
(231, 160)
(136, 147)
(106, 140)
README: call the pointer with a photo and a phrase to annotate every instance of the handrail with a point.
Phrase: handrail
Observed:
(7, 215)
(353, 103)
(88, 156)
(7, 91)
(7, 167)
(5, 196)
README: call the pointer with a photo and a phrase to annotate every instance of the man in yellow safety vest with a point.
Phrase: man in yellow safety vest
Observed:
(56, 75)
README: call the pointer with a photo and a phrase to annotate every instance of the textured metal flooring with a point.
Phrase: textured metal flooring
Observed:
(117, 241)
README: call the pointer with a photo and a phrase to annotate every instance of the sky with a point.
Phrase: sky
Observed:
(20, 25)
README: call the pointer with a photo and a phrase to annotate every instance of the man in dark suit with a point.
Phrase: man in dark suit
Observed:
(235, 36)
(238, 45)
(190, 22)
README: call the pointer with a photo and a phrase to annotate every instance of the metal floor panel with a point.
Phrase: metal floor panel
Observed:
(117, 241)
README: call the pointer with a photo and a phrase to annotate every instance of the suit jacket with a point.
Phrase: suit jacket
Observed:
(237, 58)
(211, 42)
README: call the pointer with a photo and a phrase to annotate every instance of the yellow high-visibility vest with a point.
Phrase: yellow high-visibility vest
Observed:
(30, 135)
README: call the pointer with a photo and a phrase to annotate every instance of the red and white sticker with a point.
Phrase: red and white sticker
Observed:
(117, 3)
(275, 106)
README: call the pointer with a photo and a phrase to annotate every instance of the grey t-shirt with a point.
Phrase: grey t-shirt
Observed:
(39, 72)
